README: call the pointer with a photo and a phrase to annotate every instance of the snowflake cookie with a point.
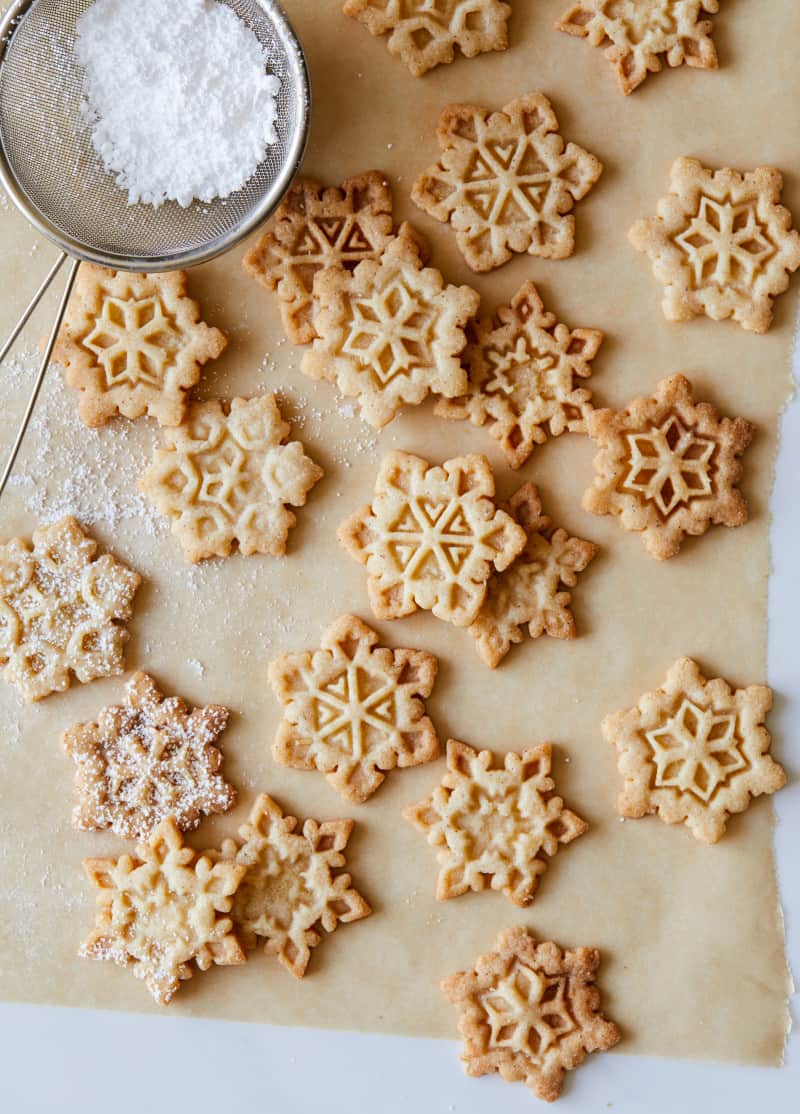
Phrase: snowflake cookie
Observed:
(225, 477)
(426, 33)
(354, 709)
(506, 181)
(525, 372)
(668, 466)
(495, 826)
(694, 751)
(530, 1012)
(293, 883)
(721, 245)
(319, 226)
(147, 759)
(431, 537)
(637, 33)
(391, 332)
(133, 344)
(532, 591)
(160, 910)
(63, 608)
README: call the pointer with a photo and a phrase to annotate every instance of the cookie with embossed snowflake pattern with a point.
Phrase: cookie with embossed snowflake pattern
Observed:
(694, 751)
(668, 466)
(721, 244)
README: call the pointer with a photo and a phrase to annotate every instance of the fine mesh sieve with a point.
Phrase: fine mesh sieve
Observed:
(52, 173)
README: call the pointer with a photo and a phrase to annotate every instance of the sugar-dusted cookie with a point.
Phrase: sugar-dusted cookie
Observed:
(530, 1012)
(637, 34)
(353, 709)
(694, 751)
(426, 34)
(319, 226)
(495, 826)
(63, 608)
(391, 332)
(160, 910)
(721, 244)
(525, 376)
(531, 592)
(226, 477)
(506, 181)
(668, 466)
(431, 537)
(294, 885)
(133, 344)
(148, 759)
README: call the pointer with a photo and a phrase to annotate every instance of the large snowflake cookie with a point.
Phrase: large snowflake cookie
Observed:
(507, 182)
(530, 1012)
(63, 607)
(353, 709)
(133, 344)
(431, 537)
(668, 466)
(721, 244)
(225, 476)
(161, 910)
(495, 826)
(694, 751)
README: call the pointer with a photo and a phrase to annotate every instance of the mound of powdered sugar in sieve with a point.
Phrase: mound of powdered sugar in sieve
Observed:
(178, 97)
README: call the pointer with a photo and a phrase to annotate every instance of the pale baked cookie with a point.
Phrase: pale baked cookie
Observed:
(668, 466)
(637, 34)
(319, 226)
(531, 592)
(694, 751)
(525, 374)
(148, 759)
(721, 244)
(133, 344)
(530, 1012)
(160, 911)
(294, 885)
(495, 827)
(431, 537)
(426, 33)
(354, 709)
(226, 477)
(506, 181)
(63, 606)
(391, 332)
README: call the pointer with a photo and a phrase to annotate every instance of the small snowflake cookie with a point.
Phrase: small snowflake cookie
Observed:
(133, 344)
(507, 182)
(694, 751)
(721, 244)
(668, 466)
(63, 606)
(530, 1012)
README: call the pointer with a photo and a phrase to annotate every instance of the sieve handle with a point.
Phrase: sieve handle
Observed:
(51, 341)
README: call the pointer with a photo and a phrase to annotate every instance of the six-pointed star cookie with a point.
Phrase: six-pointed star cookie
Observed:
(354, 709)
(495, 826)
(293, 885)
(638, 33)
(431, 537)
(525, 370)
(530, 1012)
(721, 244)
(133, 344)
(668, 466)
(506, 181)
(226, 476)
(694, 751)
(160, 910)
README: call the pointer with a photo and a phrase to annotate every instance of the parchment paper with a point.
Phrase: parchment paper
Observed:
(691, 935)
